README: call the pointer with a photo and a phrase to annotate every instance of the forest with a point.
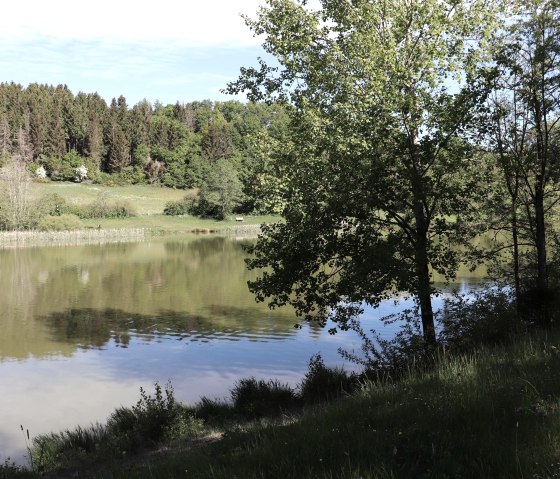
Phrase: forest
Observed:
(219, 146)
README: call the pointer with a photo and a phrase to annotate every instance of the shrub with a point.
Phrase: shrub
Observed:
(214, 410)
(254, 398)
(121, 209)
(102, 178)
(103, 208)
(486, 317)
(63, 222)
(65, 168)
(322, 383)
(152, 420)
(51, 204)
(40, 172)
(132, 175)
(177, 208)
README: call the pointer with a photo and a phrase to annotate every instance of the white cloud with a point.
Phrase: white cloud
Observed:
(186, 23)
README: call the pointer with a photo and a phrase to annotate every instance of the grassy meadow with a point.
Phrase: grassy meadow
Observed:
(148, 202)
(146, 199)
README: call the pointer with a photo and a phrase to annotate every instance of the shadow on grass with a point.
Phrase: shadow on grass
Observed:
(493, 414)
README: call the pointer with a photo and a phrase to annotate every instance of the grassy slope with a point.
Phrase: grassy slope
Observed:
(146, 199)
(149, 202)
(492, 414)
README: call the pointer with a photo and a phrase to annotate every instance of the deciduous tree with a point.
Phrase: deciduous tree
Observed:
(381, 174)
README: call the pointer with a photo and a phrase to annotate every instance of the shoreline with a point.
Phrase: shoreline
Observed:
(94, 236)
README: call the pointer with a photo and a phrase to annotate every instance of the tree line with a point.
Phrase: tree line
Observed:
(216, 146)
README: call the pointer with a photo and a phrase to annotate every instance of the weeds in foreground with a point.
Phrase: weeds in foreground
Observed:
(153, 420)
(10, 470)
(489, 413)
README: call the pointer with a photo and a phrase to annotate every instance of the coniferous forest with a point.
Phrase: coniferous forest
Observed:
(186, 145)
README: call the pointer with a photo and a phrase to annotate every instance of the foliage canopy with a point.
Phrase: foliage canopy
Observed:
(383, 97)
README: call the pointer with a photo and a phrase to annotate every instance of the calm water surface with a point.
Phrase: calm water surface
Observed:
(83, 327)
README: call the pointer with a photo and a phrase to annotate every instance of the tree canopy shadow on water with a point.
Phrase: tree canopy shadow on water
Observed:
(91, 328)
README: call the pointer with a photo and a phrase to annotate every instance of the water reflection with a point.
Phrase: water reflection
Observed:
(83, 327)
(181, 285)
(93, 328)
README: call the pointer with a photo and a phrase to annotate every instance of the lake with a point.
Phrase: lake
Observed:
(84, 327)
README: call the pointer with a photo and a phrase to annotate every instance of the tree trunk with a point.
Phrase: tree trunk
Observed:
(542, 306)
(424, 289)
(424, 286)
(540, 242)
(516, 274)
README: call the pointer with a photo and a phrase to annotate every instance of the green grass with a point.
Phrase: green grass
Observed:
(148, 202)
(494, 413)
(163, 224)
(147, 199)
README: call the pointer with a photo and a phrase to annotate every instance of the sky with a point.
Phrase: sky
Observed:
(166, 50)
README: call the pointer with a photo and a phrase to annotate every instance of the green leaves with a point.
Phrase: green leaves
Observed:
(382, 98)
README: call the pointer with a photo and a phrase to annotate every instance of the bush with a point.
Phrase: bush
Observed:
(103, 208)
(64, 169)
(132, 175)
(487, 318)
(40, 172)
(324, 384)
(81, 173)
(152, 420)
(63, 222)
(177, 208)
(214, 410)
(102, 178)
(254, 398)
(51, 204)
(121, 209)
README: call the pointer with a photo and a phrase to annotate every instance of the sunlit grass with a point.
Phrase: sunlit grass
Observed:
(147, 199)
(162, 224)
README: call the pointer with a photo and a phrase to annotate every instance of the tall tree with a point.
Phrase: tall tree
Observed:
(5, 138)
(526, 117)
(381, 171)
(116, 142)
(94, 147)
(216, 143)
(24, 145)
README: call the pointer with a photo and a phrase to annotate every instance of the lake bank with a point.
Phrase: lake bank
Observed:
(490, 413)
(119, 231)
(144, 206)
